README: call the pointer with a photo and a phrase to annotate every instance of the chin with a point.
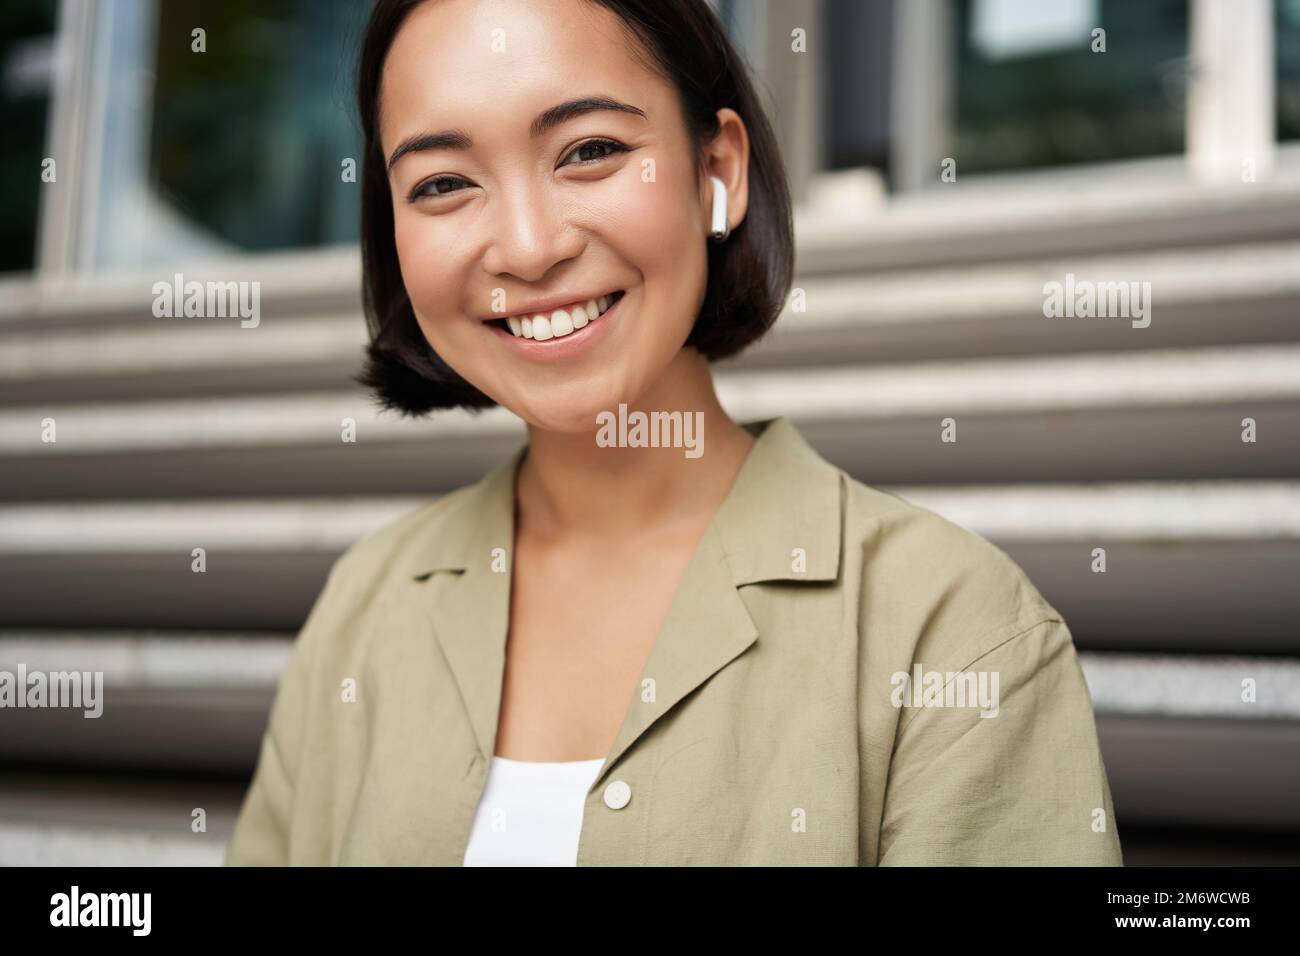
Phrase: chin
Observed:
(578, 417)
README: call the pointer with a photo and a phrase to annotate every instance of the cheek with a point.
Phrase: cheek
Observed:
(433, 283)
(656, 228)
(428, 274)
(659, 214)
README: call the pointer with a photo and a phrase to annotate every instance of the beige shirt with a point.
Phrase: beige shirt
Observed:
(785, 714)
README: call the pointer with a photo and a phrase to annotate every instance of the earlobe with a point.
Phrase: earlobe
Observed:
(721, 226)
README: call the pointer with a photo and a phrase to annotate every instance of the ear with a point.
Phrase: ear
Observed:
(727, 158)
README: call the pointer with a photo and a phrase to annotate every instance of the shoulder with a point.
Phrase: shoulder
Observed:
(928, 581)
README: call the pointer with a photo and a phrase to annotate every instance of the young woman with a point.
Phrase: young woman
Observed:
(720, 650)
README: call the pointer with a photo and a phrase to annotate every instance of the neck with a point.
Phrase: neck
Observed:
(570, 486)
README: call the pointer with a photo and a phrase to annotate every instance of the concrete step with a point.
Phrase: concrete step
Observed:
(1180, 744)
(75, 818)
(1068, 212)
(1222, 295)
(1128, 511)
(1209, 773)
(1192, 442)
(1158, 414)
(129, 564)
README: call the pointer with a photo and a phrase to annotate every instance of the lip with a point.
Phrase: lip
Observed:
(566, 346)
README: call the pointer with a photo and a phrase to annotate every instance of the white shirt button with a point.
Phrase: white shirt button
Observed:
(617, 795)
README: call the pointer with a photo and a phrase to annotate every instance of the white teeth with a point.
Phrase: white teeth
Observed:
(559, 323)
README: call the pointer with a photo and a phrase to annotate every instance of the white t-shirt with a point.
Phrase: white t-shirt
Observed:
(530, 813)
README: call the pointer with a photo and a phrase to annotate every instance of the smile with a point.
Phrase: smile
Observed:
(558, 323)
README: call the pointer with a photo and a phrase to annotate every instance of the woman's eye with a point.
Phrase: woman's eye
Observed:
(433, 187)
(592, 151)
(609, 146)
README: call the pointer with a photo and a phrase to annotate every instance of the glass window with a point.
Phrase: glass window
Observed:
(857, 79)
(26, 72)
(1031, 92)
(228, 141)
(1287, 38)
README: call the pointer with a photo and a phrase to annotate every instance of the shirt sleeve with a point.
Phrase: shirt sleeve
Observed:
(262, 828)
(1025, 786)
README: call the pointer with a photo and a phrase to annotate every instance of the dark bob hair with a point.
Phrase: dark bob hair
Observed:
(749, 275)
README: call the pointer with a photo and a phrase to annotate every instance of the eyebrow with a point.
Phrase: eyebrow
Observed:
(544, 122)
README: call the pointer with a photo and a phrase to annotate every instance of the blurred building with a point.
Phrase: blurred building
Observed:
(951, 159)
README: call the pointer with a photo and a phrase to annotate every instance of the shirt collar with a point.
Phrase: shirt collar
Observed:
(780, 521)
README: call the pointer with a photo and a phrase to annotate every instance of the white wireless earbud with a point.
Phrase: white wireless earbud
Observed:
(720, 228)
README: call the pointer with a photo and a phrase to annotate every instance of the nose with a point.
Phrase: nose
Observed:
(529, 235)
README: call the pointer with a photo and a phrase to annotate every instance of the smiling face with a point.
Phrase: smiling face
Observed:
(525, 211)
